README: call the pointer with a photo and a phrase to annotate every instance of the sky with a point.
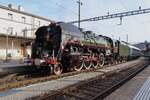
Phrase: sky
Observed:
(137, 27)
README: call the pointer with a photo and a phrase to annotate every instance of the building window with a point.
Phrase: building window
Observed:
(23, 19)
(25, 32)
(10, 30)
(10, 16)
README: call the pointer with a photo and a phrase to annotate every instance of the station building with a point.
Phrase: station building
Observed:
(17, 29)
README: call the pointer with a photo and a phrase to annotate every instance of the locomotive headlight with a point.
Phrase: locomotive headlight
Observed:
(42, 61)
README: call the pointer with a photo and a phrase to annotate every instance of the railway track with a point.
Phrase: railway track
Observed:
(96, 88)
(15, 80)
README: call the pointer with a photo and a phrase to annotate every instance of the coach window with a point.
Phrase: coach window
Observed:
(10, 16)
(23, 19)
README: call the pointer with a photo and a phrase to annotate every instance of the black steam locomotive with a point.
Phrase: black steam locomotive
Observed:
(63, 46)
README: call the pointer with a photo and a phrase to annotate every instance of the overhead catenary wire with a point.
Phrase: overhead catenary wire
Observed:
(116, 15)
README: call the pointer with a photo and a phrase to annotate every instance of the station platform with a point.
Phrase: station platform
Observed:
(12, 66)
(138, 88)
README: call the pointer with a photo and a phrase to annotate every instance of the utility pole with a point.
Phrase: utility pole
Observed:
(127, 38)
(120, 21)
(119, 38)
(79, 11)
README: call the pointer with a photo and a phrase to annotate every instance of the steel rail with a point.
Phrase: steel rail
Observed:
(120, 83)
(109, 88)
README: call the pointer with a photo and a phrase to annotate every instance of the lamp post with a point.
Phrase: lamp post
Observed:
(7, 31)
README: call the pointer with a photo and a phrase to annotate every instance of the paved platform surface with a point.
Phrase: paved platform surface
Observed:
(12, 66)
(132, 89)
(54, 85)
(12, 63)
(144, 92)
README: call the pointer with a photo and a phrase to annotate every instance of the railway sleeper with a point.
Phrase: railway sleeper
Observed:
(58, 97)
(104, 84)
(77, 96)
(87, 92)
(95, 90)
(100, 83)
(111, 80)
(97, 87)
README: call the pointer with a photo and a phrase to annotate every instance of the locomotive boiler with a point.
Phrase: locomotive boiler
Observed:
(64, 47)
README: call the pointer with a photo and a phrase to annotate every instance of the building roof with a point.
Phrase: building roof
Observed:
(133, 47)
(25, 13)
(130, 46)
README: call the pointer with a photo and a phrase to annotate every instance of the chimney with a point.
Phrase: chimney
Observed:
(20, 8)
(10, 5)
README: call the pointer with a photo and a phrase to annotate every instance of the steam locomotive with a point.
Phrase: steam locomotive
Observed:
(63, 46)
